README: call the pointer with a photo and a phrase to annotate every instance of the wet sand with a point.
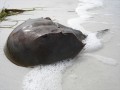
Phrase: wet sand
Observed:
(90, 73)
(87, 73)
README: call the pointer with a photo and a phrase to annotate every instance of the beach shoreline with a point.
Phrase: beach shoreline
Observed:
(101, 74)
(88, 73)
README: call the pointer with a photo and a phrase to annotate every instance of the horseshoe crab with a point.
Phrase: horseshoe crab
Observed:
(42, 41)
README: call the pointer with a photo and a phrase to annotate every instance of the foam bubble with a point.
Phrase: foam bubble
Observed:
(46, 77)
(92, 43)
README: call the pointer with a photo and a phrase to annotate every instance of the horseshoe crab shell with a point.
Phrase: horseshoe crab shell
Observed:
(42, 41)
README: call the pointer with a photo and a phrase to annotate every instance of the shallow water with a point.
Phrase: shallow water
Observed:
(92, 44)
(87, 72)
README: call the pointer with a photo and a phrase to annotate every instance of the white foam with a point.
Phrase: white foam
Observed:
(75, 23)
(46, 77)
(92, 43)
(82, 11)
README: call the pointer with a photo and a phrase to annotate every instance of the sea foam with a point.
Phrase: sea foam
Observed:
(92, 41)
(83, 13)
(50, 77)
(46, 77)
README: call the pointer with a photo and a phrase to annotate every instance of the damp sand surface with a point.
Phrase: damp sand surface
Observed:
(97, 70)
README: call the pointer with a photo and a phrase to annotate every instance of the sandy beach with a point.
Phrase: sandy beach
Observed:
(98, 70)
